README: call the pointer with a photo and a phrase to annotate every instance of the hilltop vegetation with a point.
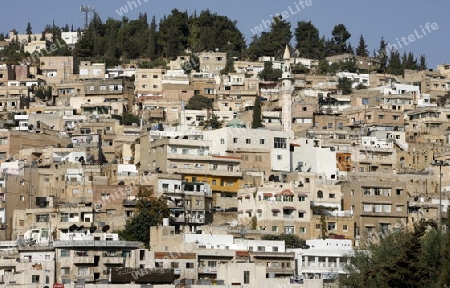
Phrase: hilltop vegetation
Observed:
(117, 41)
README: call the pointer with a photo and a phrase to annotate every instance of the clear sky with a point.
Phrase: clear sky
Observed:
(374, 19)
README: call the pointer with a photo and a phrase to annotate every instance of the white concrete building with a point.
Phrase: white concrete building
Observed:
(308, 155)
(229, 140)
(356, 78)
(324, 259)
(71, 38)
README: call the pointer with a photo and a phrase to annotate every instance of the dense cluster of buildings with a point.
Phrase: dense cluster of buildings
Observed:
(340, 171)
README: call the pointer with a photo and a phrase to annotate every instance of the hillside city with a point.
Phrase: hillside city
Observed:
(210, 166)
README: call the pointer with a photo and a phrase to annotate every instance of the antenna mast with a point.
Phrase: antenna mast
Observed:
(85, 9)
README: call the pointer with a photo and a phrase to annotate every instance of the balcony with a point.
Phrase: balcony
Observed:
(8, 262)
(207, 270)
(280, 270)
(113, 260)
(82, 257)
(87, 278)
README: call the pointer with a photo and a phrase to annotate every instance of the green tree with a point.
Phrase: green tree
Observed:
(308, 40)
(210, 31)
(340, 36)
(173, 33)
(29, 31)
(129, 119)
(152, 45)
(271, 43)
(213, 122)
(362, 48)
(383, 56)
(290, 240)
(423, 63)
(345, 84)
(199, 102)
(229, 68)
(257, 119)
(395, 64)
(400, 259)
(150, 211)
(270, 74)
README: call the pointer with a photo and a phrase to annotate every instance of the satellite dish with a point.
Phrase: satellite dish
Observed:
(92, 229)
(73, 228)
(105, 228)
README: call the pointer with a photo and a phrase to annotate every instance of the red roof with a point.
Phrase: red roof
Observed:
(267, 194)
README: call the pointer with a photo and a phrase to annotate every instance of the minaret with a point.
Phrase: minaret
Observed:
(287, 88)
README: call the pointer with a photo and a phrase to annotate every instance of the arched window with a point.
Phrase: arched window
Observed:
(320, 194)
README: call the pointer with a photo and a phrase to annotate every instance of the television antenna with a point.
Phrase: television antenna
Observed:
(86, 9)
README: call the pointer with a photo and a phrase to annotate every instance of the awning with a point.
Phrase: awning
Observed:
(275, 210)
(259, 210)
(239, 197)
(286, 192)
(301, 211)
(288, 207)
(267, 194)
(247, 196)
(249, 211)
(302, 194)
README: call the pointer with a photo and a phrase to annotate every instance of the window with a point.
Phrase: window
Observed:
(235, 140)
(279, 143)
(64, 217)
(274, 249)
(301, 198)
(246, 277)
(398, 192)
(144, 76)
(248, 141)
(345, 227)
(222, 141)
(274, 228)
(301, 214)
(214, 182)
(262, 141)
(380, 117)
(84, 271)
(317, 226)
(21, 223)
(261, 249)
(289, 230)
(275, 213)
(155, 76)
(320, 194)
(190, 265)
(387, 208)
(34, 278)
(65, 271)
(174, 265)
(159, 264)
(111, 211)
(65, 253)
(302, 230)
(332, 195)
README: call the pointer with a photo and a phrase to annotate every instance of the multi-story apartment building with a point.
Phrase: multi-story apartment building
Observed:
(57, 69)
(81, 258)
(378, 207)
(212, 62)
(148, 82)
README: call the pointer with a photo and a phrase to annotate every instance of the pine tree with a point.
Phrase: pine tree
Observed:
(152, 39)
(362, 48)
(383, 55)
(256, 121)
(423, 62)
(340, 37)
(29, 31)
(308, 40)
